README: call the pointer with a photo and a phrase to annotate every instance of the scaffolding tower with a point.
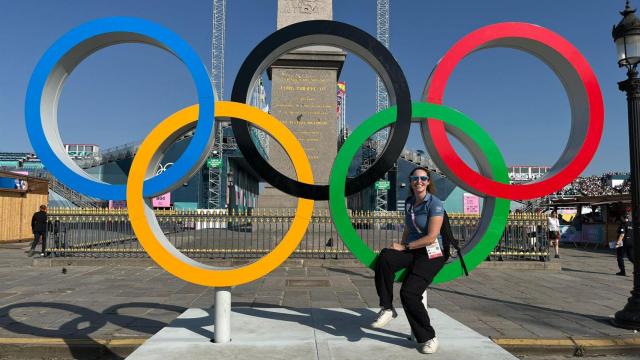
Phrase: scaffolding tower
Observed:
(382, 99)
(214, 163)
(382, 34)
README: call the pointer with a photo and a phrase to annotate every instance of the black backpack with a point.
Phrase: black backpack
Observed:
(448, 241)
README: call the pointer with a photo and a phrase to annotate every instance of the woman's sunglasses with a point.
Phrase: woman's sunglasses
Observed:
(415, 178)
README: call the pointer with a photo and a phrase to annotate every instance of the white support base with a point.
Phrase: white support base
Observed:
(313, 334)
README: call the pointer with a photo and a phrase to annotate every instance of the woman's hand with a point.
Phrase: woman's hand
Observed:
(396, 246)
(431, 242)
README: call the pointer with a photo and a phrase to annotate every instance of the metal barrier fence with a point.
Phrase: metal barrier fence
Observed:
(217, 234)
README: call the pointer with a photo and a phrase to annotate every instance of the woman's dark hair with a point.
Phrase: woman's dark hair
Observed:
(431, 188)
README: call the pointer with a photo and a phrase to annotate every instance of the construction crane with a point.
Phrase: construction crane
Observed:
(382, 99)
(215, 162)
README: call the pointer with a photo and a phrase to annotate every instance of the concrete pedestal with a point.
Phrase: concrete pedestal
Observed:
(278, 333)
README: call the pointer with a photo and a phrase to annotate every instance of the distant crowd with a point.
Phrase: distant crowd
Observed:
(597, 185)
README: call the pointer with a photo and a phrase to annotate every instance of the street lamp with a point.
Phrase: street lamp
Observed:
(627, 38)
(230, 192)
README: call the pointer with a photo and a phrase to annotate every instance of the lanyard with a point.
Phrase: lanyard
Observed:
(413, 216)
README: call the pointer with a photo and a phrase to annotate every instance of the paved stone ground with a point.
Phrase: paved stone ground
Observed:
(124, 302)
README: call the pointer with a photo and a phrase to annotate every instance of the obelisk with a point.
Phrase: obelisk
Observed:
(303, 97)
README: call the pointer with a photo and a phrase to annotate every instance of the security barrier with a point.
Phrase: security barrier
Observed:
(252, 234)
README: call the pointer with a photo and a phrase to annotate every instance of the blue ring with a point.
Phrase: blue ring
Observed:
(106, 32)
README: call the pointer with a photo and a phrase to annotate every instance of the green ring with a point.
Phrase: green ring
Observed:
(473, 257)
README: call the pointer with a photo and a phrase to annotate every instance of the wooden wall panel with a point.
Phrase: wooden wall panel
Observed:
(16, 210)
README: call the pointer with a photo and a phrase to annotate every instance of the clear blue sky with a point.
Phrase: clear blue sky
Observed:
(119, 93)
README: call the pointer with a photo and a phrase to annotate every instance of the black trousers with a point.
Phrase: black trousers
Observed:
(36, 238)
(421, 272)
(620, 252)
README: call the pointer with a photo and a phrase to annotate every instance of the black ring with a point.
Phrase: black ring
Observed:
(345, 36)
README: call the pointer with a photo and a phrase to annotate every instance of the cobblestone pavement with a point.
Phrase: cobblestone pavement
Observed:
(124, 302)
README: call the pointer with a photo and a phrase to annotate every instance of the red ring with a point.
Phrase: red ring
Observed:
(479, 38)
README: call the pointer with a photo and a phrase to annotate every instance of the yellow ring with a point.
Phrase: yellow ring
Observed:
(147, 229)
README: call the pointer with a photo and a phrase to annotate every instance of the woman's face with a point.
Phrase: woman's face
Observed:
(419, 181)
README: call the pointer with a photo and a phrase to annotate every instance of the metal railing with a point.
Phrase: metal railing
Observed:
(115, 153)
(245, 235)
(73, 196)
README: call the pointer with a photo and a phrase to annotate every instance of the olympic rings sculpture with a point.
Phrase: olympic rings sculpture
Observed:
(436, 121)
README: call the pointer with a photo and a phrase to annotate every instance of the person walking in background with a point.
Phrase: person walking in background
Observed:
(624, 245)
(420, 252)
(553, 224)
(39, 229)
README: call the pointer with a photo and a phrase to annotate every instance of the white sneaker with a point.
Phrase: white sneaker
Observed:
(428, 347)
(384, 316)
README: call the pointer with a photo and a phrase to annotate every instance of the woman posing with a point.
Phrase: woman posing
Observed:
(421, 253)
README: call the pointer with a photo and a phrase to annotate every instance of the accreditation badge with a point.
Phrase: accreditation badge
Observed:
(434, 250)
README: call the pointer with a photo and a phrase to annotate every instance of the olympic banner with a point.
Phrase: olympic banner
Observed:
(437, 121)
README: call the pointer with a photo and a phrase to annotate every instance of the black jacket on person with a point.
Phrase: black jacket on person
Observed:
(626, 229)
(39, 222)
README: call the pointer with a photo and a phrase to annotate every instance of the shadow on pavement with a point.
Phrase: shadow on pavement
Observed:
(585, 271)
(76, 332)
(349, 272)
(597, 318)
(196, 325)
(337, 323)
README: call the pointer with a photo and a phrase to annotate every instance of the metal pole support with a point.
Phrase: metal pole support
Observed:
(222, 318)
(629, 316)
